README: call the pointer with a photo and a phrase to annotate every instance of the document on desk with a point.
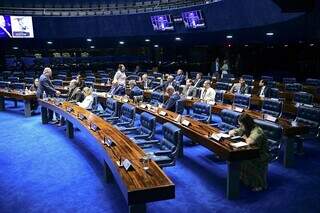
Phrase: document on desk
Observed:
(239, 144)
(218, 136)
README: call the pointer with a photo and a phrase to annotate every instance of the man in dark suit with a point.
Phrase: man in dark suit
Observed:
(198, 82)
(74, 92)
(145, 83)
(240, 88)
(169, 82)
(180, 78)
(171, 102)
(188, 89)
(264, 90)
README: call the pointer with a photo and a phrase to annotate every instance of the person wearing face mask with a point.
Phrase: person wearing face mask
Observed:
(253, 172)
(189, 90)
(240, 88)
(208, 94)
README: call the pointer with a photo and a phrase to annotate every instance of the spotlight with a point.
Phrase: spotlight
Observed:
(121, 42)
(286, 45)
(92, 47)
(270, 34)
(178, 39)
(311, 45)
(229, 36)
(89, 40)
(49, 42)
(15, 48)
(156, 45)
(147, 40)
(246, 45)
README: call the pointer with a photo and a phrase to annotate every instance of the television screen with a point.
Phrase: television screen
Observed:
(16, 27)
(193, 19)
(162, 23)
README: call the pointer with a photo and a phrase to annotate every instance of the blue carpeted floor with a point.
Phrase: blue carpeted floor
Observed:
(41, 170)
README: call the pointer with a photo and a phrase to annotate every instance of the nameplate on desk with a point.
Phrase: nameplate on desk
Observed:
(239, 145)
(215, 137)
(81, 117)
(162, 113)
(238, 109)
(69, 109)
(143, 105)
(125, 100)
(189, 98)
(185, 123)
(109, 96)
(58, 103)
(274, 99)
(94, 127)
(108, 142)
(270, 118)
(127, 165)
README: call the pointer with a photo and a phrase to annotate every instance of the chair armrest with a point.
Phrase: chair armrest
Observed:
(113, 118)
(147, 142)
(130, 128)
(163, 152)
(215, 125)
(144, 136)
(122, 123)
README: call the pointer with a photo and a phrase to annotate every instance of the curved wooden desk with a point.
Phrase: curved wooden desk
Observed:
(14, 94)
(137, 185)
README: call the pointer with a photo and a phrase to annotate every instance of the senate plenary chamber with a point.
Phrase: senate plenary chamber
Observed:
(159, 106)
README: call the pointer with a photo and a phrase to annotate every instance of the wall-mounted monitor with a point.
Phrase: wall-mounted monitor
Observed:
(16, 27)
(162, 23)
(193, 19)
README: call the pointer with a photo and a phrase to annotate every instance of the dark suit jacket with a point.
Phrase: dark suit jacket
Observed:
(180, 79)
(199, 83)
(75, 95)
(266, 92)
(45, 85)
(164, 85)
(171, 102)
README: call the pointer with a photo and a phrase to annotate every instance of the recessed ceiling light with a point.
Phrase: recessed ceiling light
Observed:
(229, 36)
(156, 45)
(246, 45)
(229, 45)
(286, 45)
(178, 39)
(311, 45)
(147, 40)
(89, 39)
(92, 47)
(270, 34)
(121, 42)
(49, 42)
(15, 48)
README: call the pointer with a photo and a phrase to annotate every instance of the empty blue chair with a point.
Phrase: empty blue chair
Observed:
(4, 84)
(289, 80)
(229, 75)
(309, 116)
(274, 93)
(222, 86)
(201, 112)
(145, 131)
(180, 106)
(156, 98)
(19, 86)
(273, 133)
(272, 107)
(166, 151)
(57, 82)
(267, 78)
(219, 96)
(303, 97)
(13, 79)
(295, 87)
(127, 117)
(313, 82)
(226, 80)
(62, 77)
(91, 79)
(242, 101)
(229, 120)
(111, 108)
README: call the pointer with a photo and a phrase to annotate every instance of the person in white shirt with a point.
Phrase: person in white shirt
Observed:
(224, 68)
(88, 100)
(120, 75)
(208, 94)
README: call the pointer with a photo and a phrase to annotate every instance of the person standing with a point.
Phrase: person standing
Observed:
(224, 68)
(120, 76)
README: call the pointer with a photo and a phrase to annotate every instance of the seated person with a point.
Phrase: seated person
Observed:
(253, 172)
(80, 82)
(134, 91)
(74, 92)
(180, 78)
(117, 89)
(169, 82)
(240, 88)
(88, 100)
(264, 90)
(208, 94)
(188, 89)
(170, 104)
(199, 81)
(33, 90)
(145, 82)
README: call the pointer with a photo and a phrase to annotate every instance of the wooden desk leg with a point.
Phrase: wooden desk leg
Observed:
(233, 179)
(107, 173)
(2, 104)
(27, 108)
(288, 152)
(138, 208)
(70, 129)
(44, 115)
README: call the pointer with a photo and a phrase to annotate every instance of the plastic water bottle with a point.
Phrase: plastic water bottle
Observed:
(26, 90)
(44, 95)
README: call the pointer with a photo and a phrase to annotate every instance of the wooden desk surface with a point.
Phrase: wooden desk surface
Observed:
(17, 94)
(137, 185)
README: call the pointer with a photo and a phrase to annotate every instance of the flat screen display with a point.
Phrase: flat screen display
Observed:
(193, 19)
(162, 23)
(16, 27)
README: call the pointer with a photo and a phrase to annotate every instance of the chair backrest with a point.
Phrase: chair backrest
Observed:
(274, 93)
(247, 77)
(271, 84)
(289, 80)
(133, 77)
(267, 78)
(111, 107)
(13, 79)
(172, 139)
(308, 115)
(242, 101)
(90, 79)
(19, 86)
(229, 75)
(105, 80)
(313, 82)
(273, 133)
(89, 84)
(202, 111)
(148, 124)
(229, 119)
(303, 97)
(180, 106)
(272, 107)
(28, 80)
(4, 84)
(62, 77)
(226, 80)
(219, 96)
(57, 82)
(156, 98)
(128, 113)
(222, 86)
(295, 87)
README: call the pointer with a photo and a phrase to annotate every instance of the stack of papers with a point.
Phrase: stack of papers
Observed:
(239, 144)
(218, 136)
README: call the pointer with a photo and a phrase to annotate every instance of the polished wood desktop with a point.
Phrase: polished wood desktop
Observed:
(137, 185)
(17, 95)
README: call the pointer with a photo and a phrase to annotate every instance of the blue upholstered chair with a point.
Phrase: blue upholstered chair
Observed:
(156, 98)
(127, 117)
(201, 111)
(4, 84)
(229, 120)
(28, 80)
(242, 101)
(226, 80)
(309, 116)
(272, 107)
(223, 86)
(303, 97)
(146, 129)
(180, 106)
(247, 77)
(271, 84)
(166, 151)
(111, 109)
(313, 82)
(62, 77)
(273, 133)
(91, 79)
(274, 93)
(57, 82)
(89, 84)
(105, 80)
(267, 78)
(13, 79)
(295, 87)
(219, 96)
(133, 77)
(19, 86)
(289, 80)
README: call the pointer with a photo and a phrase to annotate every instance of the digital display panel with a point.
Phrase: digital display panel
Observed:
(162, 23)
(193, 19)
(16, 27)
